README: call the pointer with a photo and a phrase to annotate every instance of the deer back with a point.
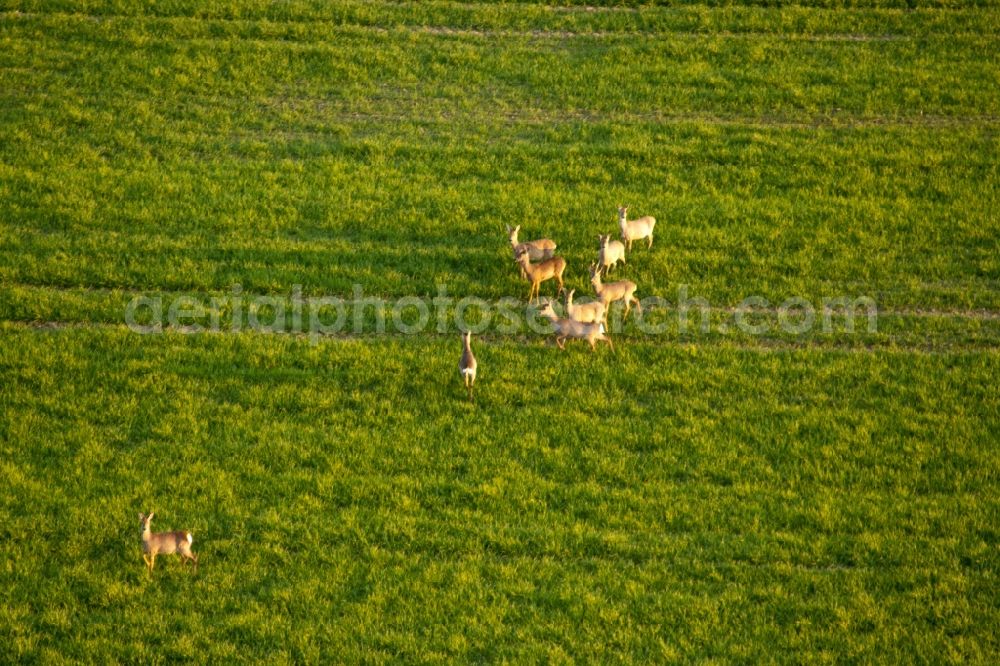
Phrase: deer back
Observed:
(167, 542)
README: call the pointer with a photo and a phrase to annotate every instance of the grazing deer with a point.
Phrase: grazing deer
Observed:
(467, 364)
(540, 272)
(611, 253)
(567, 328)
(635, 229)
(167, 543)
(614, 291)
(537, 249)
(588, 312)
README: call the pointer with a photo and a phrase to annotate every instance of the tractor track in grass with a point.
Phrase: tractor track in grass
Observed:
(761, 344)
(392, 26)
(540, 33)
(325, 115)
(971, 314)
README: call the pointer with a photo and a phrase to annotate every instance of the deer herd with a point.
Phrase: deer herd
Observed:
(586, 321)
(583, 321)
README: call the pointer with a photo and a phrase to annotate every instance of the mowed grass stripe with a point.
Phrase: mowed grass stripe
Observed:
(764, 76)
(661, 323)
(320, 118)
(298, 19)
(902, 213)
(350, 494)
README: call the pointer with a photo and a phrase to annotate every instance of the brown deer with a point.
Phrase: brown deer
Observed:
(538, 250)
(467, 364)
(167, 543)
(567, 328)
(540, 272)
(614, 291)
(635, 229)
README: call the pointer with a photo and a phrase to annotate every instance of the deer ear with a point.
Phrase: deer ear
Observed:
(517, 228)
(150, 516)
(141, 515)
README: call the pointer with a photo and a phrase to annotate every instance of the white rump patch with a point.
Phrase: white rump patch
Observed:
(468, 371)
(190, 539)
(602, 328)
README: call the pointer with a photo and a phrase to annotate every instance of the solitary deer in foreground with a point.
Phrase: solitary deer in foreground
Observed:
(614, 291)
(588, 312)
(539, 249)
(167, 543)
(467, 364)
(611, 253)
(567, 328)
(540, 272)
(635, 229)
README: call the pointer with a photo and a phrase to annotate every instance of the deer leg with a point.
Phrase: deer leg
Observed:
(650, 244)
(609, 344)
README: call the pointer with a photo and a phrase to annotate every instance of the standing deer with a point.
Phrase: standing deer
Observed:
(635, 229)
(467, 364)
(538, 250)
(611, 253)
(167, 543)
(614, 291)
(595, 311)
(540, 272)
(567, 328)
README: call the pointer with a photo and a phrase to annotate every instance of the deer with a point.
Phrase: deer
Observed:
(611, 253)
(614, 291)
(635, 229)
(540, 272)
(467, 364)
(567, 328)
(167, 543)
(538, 250)
(595, 311)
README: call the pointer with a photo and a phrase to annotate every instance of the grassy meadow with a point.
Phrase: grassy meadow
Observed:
(697, 494)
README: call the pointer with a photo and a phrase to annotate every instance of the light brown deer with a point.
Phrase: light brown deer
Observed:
(540, 272)
(587, 312)
(635, 229)
(538, 250)
(610, 253)
(467, 364)
(166, 543)
(567, 328)
(614, 291)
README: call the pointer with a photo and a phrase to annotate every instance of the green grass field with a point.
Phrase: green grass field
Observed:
(698, 495)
